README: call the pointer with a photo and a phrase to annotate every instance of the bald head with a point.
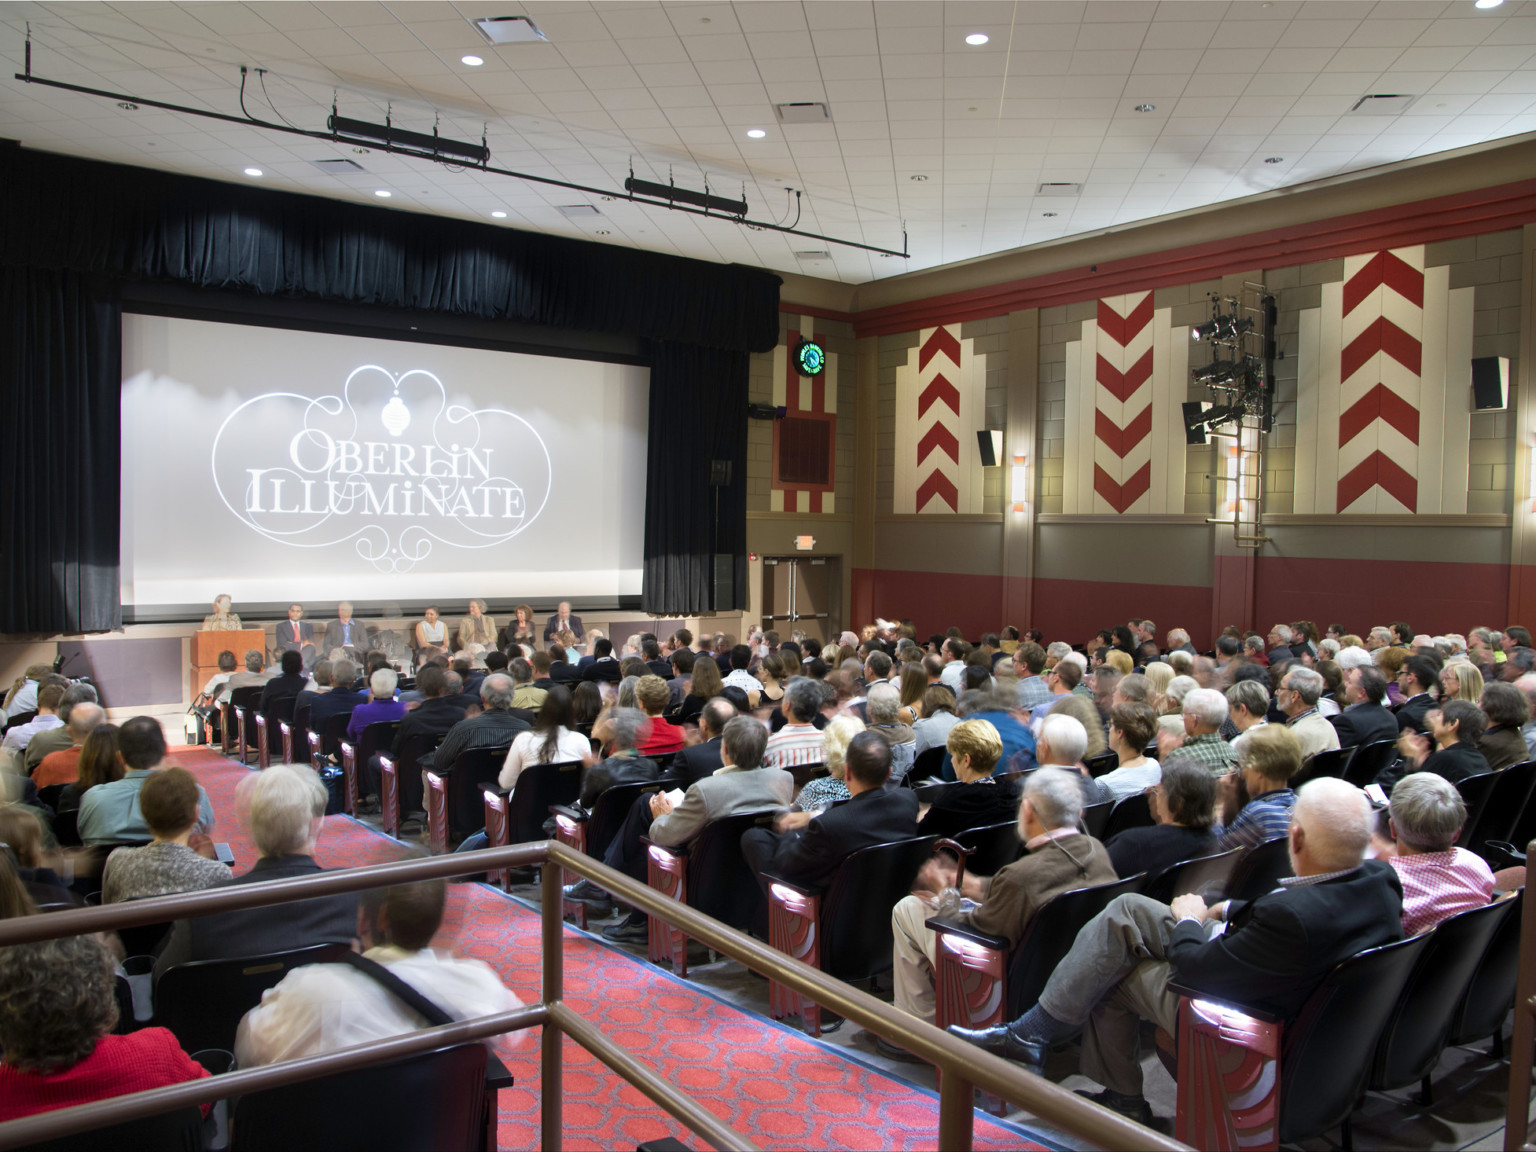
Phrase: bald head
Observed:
(83, 719)
(1330, 827)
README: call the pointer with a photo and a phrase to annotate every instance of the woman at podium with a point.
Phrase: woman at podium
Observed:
(222, 619)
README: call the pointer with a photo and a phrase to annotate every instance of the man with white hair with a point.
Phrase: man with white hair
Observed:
(1178, 641)
(1205, 710)
(882, 705)
(1379, 637)
(1439, 879)
(1297, 697)
(1057, 858)
(1273, 954)
(1354, 657)
(1279, 641)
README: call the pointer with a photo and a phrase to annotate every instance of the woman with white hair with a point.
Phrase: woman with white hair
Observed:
(825, 791)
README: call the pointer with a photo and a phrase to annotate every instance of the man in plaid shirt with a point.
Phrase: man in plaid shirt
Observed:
(1271, 756)
(1205, 711)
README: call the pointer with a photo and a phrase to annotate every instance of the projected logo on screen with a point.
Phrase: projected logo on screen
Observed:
(389, 466)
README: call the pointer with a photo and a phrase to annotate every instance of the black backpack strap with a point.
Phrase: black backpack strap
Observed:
(428, 1011)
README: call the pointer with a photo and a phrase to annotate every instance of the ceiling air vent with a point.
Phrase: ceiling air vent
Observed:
(338, 167)
(1057, 188)
(1381, 104)
(813, 254)
(578, 211)
(509, 30)
(803, 112)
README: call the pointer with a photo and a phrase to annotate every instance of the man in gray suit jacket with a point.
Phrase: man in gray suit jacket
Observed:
(741, 785)
(345, 632)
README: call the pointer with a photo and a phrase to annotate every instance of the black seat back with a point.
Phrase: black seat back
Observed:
(334, 732)
(1049, 937)
(1475, 794)
(1328, 1046)
(299, 726)
(1132, 812)
(49, 797)
(281, 709)
(1203, 875)
(1368, 761)
(612, 809)
(994, 846)
(177, 1131)
(425, 1103)
(408, 767)
(1491, 992)
(803, 773)
(856, 911)
(1095, 817)
(1261, 870)
(540, 787)
(246, 697)
(1415, 1034)
(1102, 764)
(202, 1001)
(1330, 762)
(719, 882)
(1506, 802)
(472, 770)
(375, 738)
(929, 762)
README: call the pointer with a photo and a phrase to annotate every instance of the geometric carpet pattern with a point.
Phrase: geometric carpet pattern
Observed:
(768, 1081)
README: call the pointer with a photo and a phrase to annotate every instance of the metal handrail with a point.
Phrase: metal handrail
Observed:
(963, 1067)
(1517, 1106)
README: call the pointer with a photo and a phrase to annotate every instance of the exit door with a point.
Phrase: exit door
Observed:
(801, 592)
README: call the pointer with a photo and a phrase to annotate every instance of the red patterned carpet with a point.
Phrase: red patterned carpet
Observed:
(768, 1081)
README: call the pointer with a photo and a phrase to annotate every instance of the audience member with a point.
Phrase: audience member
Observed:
(21, 830)
(168, 863)
(58, 739)
(1417, 680)
(1364, 719)
(255, 674)
(1131, 728)
(550, 741)
(1439, 879)
(931, 729)
(799, 741)
(980, 798)
(1247, 706)
(620, 730)
(342, 698)
(1268, 759)
(63, 766)
(18, 735)
(1449, 749)
(661, 737)
(495, 727)
(381, 707)
(22, 697)
(699, 760)
(398, 984)
(824, 791)
(1203, 710)
(288, 685)
(1058, 857)
(882, 704)
(1502, 743)
(1299, 691)
(101, 762)
(109, 812)
(1183, 804)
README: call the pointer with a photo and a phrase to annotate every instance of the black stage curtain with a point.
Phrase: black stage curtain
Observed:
(137, 224)
(698, 414)
(60, 377)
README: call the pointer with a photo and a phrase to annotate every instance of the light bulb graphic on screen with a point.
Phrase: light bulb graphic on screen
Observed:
(390, 466)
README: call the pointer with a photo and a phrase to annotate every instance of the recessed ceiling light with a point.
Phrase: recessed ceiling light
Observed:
(253, 171)
(756, 133)
(127, 105)
(499, 215)
(1488, 3)
(919, 179)
(1048, 215)
(1273, 159)
(362, 151)
(977, 38)
(383, 194)
(604, 232)
(472, 61)
(1146, 108)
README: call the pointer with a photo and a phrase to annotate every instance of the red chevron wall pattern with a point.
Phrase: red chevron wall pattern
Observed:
(1380, 369)
(1122, 469)
(938, 407)
(937, 404)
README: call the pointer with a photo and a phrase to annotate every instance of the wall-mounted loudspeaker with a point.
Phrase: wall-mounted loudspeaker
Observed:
(990, 442)
(720, 473)
(1490, 383)
(724, 599)
(1194, 422)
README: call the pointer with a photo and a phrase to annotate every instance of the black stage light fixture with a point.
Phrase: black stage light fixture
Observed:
(766, 412)
(1194, 422)
(672, 192)
(1222, 328)
(389, 134)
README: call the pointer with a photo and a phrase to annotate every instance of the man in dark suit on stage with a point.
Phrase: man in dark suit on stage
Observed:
(1274, 953)
(562, 619)
(296, 634)
(1364, 720)
(807, 851)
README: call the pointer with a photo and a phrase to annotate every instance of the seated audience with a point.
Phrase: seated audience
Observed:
(21, 830)
(1274, 952)
(550, 741)
(167, 863)
(526, 695)
(1298, 695)
(434, 716)
(286, 686)
(58, 739)
(662, 737)
(1269, 757)
(1247, 707)
(1183, 804)
(824, 791)
(604, 666)
(1063, 740)
(285, 809)
(58, 1006)
(17, 736)
(931, 729)
(1203, 711)
(22, 697)
(702, 759)
(255, 674)
(743, 784)
(704, 684)
(996, 707)
(380, 707)
(799, 741)
(495, 727)
(1058, 857)
(319, 684)
(1460, 680)
(100, 762)
(619, 731)
(980, 799)
(63, 766)
(1418, 679)
(1364, 720)
(1502, 743)
(1131, 728)
(882, 703)
(109, 813)
(1439, 879)
(323, 1007)
(343, 697)
(1449, 749)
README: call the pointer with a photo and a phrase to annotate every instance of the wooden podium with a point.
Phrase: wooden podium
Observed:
(206, 647)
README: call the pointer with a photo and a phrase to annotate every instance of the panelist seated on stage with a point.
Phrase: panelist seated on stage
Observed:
(222, 619)
(476, 628)
(345, 632)
(296, 634)
(431, 633)
(519, 631)
(562, 621)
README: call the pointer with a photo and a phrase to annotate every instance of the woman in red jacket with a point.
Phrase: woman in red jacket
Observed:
(57, 1011)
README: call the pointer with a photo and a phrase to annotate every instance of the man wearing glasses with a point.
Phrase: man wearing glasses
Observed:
(1416, 680)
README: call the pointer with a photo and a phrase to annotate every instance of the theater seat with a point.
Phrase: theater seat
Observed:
(454, 801)
(1261, 869)
(518, 816)
(177, 1131)
(590, 833)
(1491, 992)
(400, 788)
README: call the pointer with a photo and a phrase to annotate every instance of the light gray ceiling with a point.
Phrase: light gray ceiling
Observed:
(672, 88)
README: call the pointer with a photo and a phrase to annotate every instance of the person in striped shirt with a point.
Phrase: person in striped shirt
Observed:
(799, 741)
(1270, 756)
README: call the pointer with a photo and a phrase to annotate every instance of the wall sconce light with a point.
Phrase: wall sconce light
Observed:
(1020, 482)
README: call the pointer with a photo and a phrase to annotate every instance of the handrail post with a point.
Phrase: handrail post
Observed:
(956, 1111)
(550, 1041)
(1517, 1113)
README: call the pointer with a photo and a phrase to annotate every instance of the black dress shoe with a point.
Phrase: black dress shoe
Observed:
(586, 892)
(627, 932)
(1131, 1107)
(895, 1051)
(1001, 1040)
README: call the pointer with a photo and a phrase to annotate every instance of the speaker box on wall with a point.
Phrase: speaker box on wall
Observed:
(990, 443)
(725, 583)
(1490, 383)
